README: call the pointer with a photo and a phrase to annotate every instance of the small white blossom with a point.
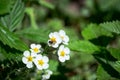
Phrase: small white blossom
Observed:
(47, 74)
(64, 37)
(28, 59)
(54, 40)
(41, 62)
(35, 48)
(63, 53)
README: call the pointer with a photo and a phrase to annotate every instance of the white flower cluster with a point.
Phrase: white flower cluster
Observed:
(33, 57)
(58, 39)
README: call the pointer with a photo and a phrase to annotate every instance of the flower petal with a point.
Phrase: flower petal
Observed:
(56, 33)
(67, 50)
(62, 32)
(33, 54)
(55, 45)
(66, 39)
(45, 66)
(39, 67)
(50, 35)
(59, 51)
(45, 59)
(39, 56)
(58, 39)
(32, 46)
(61, 47)
(24, 60)
(26, 53)
(67, 57)
(38, 46)
(49, 72)
(35, 61)
(61, 59)
(66, 43)
(46, 76)
(29, 65)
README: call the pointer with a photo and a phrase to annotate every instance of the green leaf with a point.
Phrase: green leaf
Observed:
(112, 26)
(55, 24)
(107, 63)
(116, 65)
(53, 65)
(37, 35)
(103, 75)
(14, 17)
(83, 46)
(46, 4)
(11, 39)
(110, 5)
(5, 6)
(30, 12)
(9, 55)
(95, 31)
(71, 33)
(115, 53)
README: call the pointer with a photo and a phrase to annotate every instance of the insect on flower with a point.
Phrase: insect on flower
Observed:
(54, 40)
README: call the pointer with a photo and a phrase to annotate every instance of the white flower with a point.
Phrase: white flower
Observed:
(28, 59)
(47, 74)
(41, 62)
(64, 37)
(35, 48)
(54, 40)
(63, 53)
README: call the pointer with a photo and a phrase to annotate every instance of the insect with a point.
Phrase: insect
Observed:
(51, 42)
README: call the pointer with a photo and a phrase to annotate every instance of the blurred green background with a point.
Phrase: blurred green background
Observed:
(44, 16)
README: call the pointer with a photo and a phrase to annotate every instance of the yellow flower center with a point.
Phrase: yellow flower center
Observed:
(40, 62)
(53, 39)
(62, 53)
(30, 58)
(36, 49)
(62, 37)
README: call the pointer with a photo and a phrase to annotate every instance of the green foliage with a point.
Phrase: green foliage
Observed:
(14, 17)
(11, 39)
(115, 53)
(9, 55)
(103, 75)
(46, 4)
(53, 65)
(110, 5)
(93, 47)
(112, 26)
(30, 12)
(37, 35)
(83, 46)
(55, 24)
(107, 63)
(116, 65)
(5, 6)
(94, 31)
(72, 34)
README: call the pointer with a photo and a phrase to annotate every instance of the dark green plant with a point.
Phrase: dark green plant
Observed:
(95, 52)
